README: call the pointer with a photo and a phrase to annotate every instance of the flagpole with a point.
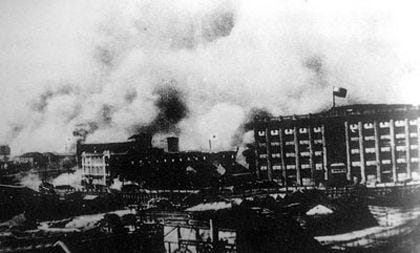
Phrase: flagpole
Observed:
(213, 137)
(333, 99)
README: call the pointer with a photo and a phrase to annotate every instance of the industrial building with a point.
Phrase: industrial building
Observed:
(137, 161)
(366, 143)
(93, 160)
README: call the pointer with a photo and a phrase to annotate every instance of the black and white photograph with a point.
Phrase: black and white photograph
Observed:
(209, 126)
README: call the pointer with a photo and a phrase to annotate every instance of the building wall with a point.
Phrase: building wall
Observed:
(95, 169)
(370, 144)
(101, 163)
(177, 170)
(390, 148)
(291, 155)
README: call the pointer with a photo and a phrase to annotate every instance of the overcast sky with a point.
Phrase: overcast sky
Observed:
(106, 62)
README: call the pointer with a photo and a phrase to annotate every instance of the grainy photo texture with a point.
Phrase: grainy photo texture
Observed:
(209, 126)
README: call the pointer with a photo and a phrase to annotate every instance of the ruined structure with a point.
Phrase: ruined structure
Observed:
(137, 161)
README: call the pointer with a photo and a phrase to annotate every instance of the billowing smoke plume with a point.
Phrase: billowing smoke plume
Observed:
(72, 179)
(193, 68)
(171, 110)
(31, 180)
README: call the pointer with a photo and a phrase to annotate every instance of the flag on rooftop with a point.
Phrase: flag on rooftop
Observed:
(339, 92)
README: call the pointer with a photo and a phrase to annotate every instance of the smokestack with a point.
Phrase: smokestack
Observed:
(172, 144)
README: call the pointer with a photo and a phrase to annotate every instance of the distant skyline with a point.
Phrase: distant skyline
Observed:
(193, 68)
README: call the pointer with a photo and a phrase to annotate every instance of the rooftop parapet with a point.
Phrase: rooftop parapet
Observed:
(349, 110)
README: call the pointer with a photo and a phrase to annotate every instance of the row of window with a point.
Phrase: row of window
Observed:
(100, 163)
(382, 137)
(292, 143)
(289, 131)
(383, 149)
(352, 151)
(93, 170)
(291, 154)
(355, 138)
(354, 163)
(385, 162)
(384, 124)
(372, 179)
(179, 159)
(318, 166)
(93, 162)
(353, 127)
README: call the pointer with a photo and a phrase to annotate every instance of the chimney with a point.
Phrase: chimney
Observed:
(172, 144)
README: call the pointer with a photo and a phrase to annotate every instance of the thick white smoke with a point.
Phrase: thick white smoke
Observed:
(31, 180)
(116, 184)
(102, 62)
(73, 179)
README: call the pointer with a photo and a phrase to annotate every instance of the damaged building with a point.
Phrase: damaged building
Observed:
(367, 143)
(166, 168)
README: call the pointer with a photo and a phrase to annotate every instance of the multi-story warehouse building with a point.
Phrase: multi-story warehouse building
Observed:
(372, 143)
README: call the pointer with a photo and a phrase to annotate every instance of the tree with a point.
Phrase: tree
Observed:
(112, 222)
(129, 220)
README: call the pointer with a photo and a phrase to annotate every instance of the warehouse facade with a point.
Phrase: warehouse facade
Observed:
(370, 143)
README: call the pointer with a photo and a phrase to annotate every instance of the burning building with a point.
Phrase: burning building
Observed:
(137, 161)
(369, 143)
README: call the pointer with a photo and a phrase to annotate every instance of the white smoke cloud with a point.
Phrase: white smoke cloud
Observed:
(218, 126)
(101, 62)
(73, 179)
(31, 180)
(116, 184)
